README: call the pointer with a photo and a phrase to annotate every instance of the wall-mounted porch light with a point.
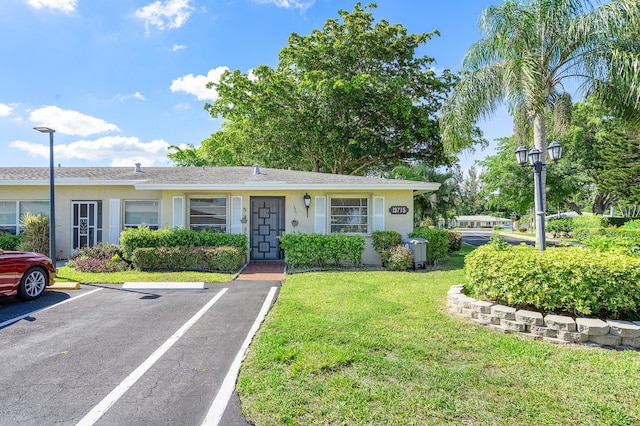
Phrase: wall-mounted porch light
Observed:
(307, 202)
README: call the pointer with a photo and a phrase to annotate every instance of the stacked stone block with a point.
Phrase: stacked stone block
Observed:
(557, 329)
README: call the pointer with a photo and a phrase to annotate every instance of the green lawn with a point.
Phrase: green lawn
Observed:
(380, 348)
(67, 274)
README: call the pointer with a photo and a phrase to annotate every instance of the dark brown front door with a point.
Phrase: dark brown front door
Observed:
(267, 224)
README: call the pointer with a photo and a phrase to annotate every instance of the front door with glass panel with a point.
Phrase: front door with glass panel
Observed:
(267, 224)
(84, 224)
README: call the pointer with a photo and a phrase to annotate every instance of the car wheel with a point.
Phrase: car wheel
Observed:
(32, 284)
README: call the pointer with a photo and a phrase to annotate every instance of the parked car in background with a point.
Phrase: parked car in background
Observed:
(25, 274)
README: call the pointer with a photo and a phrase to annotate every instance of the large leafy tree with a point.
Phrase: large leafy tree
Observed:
(529, 49)
(608, 150)
(352, 98)
(508, 185)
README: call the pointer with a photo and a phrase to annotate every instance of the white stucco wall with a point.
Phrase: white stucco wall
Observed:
(294, 208)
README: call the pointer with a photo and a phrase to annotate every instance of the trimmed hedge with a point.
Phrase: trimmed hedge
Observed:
(321, 250)
(438, 242)
(9, 242)
(576, 280)
(143, 237)
(221, 258)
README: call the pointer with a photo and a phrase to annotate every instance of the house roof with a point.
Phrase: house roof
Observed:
(204, 178)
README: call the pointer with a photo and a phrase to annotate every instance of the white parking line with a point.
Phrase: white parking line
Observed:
(16, 319)
(102, 407)
(221, 400)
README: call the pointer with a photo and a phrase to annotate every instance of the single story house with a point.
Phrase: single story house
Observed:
(94, 204)
(477, 221)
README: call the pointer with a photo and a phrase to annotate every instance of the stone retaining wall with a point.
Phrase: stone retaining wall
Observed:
(550, 328)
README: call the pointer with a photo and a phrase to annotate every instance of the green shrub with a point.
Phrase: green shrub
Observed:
(632, 224)
(560, 225)
(591, 221)
(220, 258)
(143, 237)
(320, 250)
(619, 244)
(437, 245)
(9, 241)
(576, 280)
(384, 240)
(102, 257)
(399, 258)
(35, 233)
(455, 241)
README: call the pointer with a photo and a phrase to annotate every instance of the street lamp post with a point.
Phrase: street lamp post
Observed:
(52, 199)
(535, 160)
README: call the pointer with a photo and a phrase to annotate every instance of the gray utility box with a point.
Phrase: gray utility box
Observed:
(418, 247)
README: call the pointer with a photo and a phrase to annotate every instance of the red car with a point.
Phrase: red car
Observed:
(25, 274)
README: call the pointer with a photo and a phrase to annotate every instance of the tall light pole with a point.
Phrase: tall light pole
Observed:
(52, 196)
(554, 151)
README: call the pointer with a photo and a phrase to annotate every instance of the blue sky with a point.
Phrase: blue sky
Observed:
(121, 80)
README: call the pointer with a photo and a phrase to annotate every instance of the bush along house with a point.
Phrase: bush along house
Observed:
(94, 204)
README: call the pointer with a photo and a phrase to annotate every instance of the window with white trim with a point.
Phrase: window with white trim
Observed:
(208, 214)
(12, 211)
(349, 215)
(141, 213)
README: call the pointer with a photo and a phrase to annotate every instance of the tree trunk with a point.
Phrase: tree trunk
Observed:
(602, 202)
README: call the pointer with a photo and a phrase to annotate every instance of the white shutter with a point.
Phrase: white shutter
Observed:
(236, 215)
(378, 214)
(320, 224)
(178, 212)
(114, 220)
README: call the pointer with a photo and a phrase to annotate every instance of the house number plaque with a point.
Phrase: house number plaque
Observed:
(398, 209)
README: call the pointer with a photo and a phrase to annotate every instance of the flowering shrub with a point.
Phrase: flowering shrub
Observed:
(102, 257)
(455, 241)
(399, 258)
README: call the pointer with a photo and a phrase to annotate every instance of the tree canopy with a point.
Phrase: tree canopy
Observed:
(351, 98)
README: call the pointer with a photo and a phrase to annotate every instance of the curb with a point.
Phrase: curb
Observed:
(65, 286)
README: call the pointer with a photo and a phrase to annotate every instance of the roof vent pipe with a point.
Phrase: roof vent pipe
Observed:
(256, 169)
(138, 169)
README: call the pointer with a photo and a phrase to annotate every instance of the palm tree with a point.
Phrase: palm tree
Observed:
(529, 49)
(439, 204)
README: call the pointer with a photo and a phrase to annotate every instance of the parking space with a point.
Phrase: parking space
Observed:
(110, 356)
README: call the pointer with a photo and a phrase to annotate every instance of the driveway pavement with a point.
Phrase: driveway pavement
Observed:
(107, 356)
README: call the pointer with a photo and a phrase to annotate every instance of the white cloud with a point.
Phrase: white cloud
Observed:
(117, 150)
(289, 4)
(182, 106)
(70, 122)
(66, 6)
(177, 47)
(197, 85)
(5, 110)
(168, 14)
(138, 96)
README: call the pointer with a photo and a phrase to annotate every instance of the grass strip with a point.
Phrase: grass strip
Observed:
(67, 274)
(380, 348)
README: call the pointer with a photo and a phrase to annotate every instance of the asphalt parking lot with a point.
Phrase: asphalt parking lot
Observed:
(106, 356)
